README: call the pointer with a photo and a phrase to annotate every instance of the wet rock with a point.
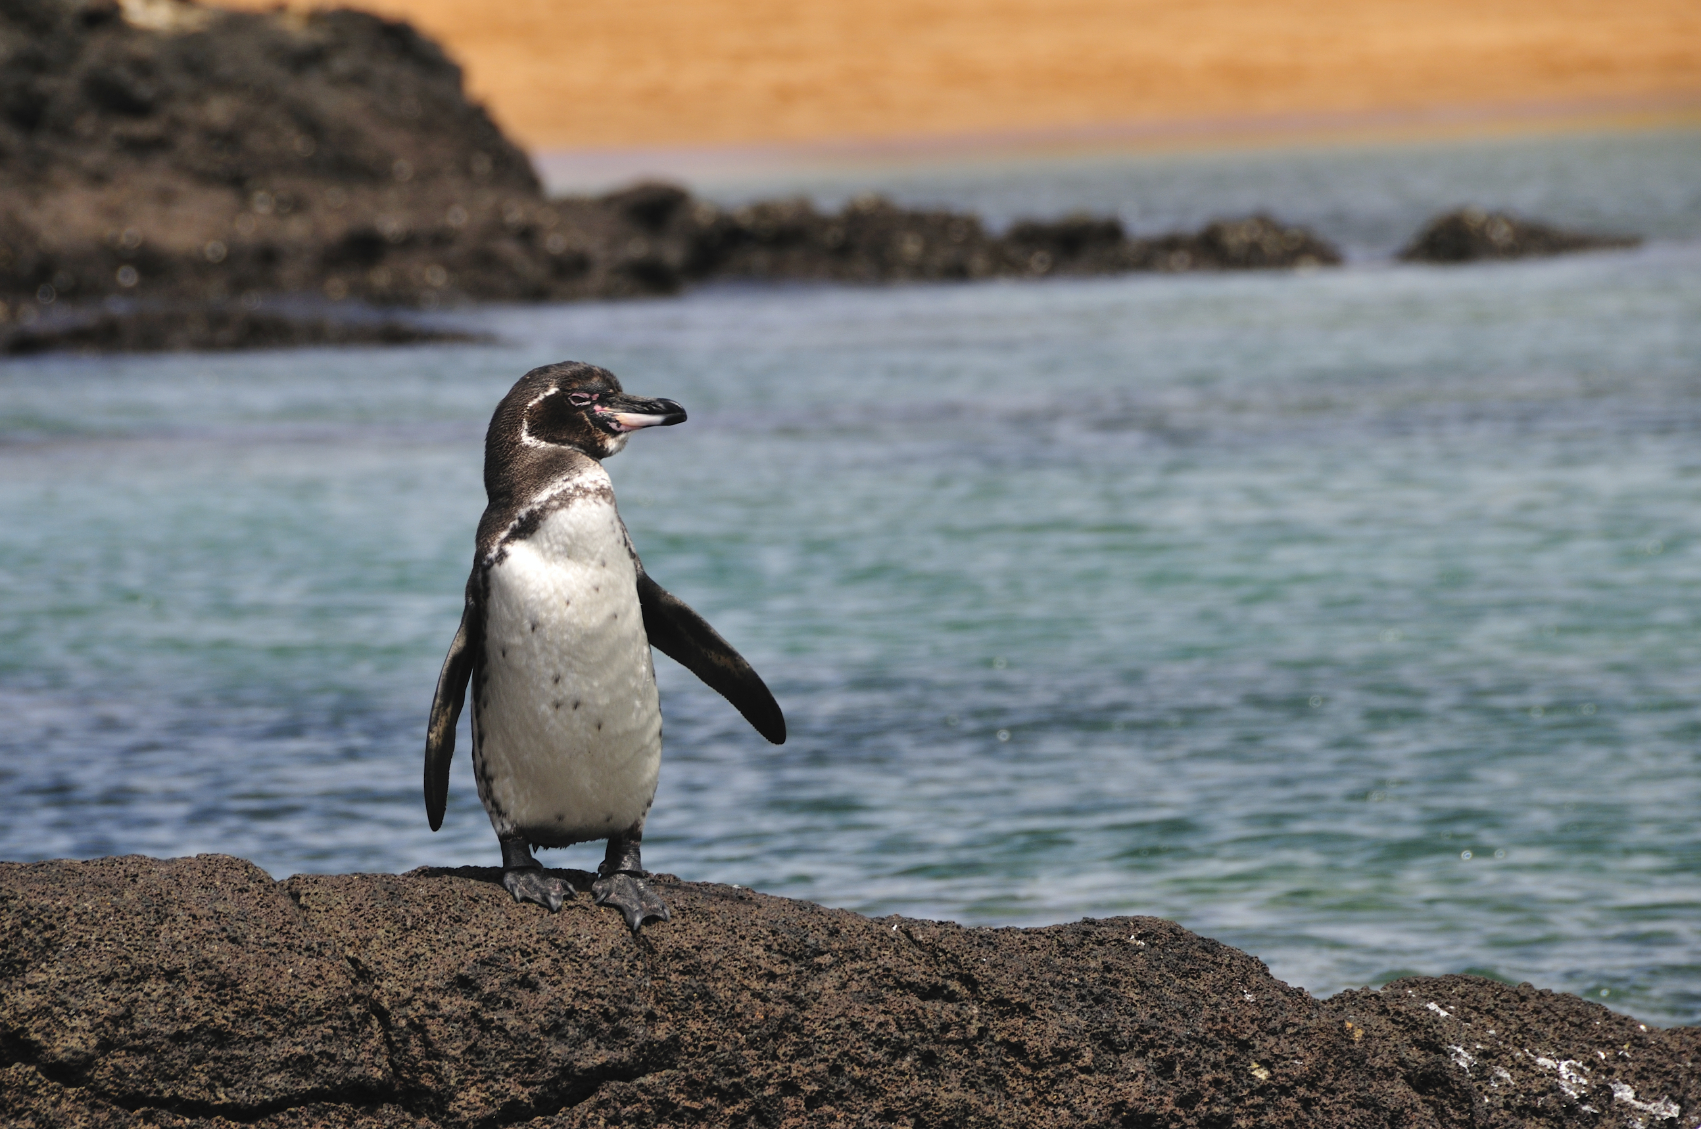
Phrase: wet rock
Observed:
(1469, 234)
(198, 992)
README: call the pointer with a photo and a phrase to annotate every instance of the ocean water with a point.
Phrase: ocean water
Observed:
(1352, 617)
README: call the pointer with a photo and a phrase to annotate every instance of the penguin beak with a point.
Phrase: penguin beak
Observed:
(629, 413)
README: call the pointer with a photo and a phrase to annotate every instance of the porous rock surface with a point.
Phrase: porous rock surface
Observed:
(137, 991)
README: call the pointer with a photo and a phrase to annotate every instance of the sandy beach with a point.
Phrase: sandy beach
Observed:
(731, 72)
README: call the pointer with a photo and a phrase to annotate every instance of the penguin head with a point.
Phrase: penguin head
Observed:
(577, 406)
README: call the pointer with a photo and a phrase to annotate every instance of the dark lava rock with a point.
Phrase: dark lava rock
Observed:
(171, 152)
(136, 992)
(874, 240)
(1470, 233)
(1261, 243)
(1087, 245)
(199, 153)
(183, 985)
(869, 240)
(211, 327)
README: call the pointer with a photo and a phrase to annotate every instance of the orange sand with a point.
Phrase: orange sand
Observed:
(616, 73)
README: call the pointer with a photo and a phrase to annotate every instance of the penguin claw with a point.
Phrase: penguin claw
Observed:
(632, 896)
(532, 885)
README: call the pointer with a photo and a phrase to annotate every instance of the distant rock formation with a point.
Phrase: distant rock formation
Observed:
(193, 163)
(1469, 234)
(872, 239)
(159, 149)
(200, 993)
(165, 153)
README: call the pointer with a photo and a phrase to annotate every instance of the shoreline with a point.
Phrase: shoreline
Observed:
(174, 190)
(705, 167)
(655, 240)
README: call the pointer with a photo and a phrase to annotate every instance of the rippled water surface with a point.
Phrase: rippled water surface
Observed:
(1350, 618)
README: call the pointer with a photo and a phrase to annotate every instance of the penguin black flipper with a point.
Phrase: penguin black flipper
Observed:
(446, 709)
(686, 638)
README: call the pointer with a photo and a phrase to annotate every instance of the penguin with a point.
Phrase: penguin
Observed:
(555, 641)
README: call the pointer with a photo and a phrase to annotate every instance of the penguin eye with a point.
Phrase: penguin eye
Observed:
(581, 399)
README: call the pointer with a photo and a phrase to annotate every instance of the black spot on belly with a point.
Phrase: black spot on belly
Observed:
(561, 817)
(558, 703)
(504, 652)
(575, 703)
(599, 727)
(534, 628)
(558, 680)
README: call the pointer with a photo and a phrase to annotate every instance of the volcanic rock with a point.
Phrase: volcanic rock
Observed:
(161, 149)
(167, 152)
(198, 992)
(874, 240)
(1085, 244)
(1469, 234)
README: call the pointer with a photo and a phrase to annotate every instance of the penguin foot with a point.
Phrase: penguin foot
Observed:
(530, 884)
(632, 896)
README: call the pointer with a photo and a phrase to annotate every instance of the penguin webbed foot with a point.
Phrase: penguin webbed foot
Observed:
(524, 877)
(627, 891)
(531, 884)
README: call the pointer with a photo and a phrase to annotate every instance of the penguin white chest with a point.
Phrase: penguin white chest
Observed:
(567, 721)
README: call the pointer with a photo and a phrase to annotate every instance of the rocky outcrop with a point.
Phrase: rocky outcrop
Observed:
(167, 153)
(161, 150)
(136, 991)
(1469, 234)
(873, 240)
(179, 166)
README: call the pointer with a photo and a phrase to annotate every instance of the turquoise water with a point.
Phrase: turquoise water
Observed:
(1350, 618)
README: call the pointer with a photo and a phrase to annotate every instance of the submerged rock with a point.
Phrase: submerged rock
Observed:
(210, 327)
(1469, 234)
(136, 991)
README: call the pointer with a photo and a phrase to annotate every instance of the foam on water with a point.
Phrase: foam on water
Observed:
(1349, 618)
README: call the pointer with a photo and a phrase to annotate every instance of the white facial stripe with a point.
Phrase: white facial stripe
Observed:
(525, 421)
